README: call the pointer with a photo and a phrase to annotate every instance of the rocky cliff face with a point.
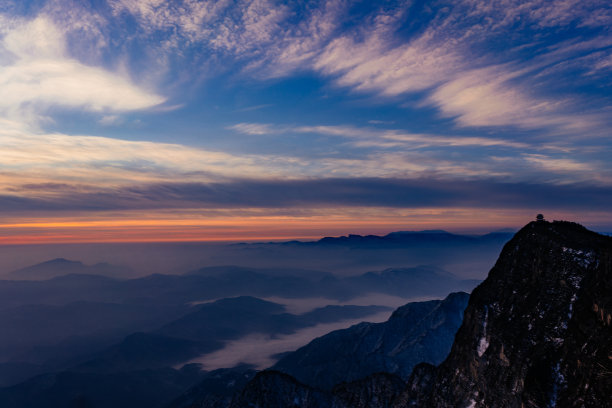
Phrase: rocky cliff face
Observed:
(536, 333)
(416, 332)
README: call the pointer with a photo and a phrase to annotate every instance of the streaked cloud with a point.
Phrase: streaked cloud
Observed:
(254, 128)
(305, 194)
(37, 74)
(391, 138)
(109, 161)
(450, 63)
(560, 165)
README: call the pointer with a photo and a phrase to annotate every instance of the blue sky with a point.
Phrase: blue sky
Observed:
(112, 108)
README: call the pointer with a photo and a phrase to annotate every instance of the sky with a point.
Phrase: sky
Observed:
(150, 120)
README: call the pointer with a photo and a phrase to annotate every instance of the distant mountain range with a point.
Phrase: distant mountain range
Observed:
(60, 267)
(420, 238)
(219, 282)
(536, 333)
(149, 357)
(467, 256)
(416, 332)
(464, 255)
(85, 338)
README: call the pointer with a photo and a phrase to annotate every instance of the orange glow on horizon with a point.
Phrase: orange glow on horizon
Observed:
(255, 225)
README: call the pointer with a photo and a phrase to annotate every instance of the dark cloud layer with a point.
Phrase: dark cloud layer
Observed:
(313, 193)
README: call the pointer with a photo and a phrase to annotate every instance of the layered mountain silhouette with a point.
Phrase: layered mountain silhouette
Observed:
(464, 255)
(52, 324)
(536, 333)
(416, 332)
(423, 238)
(116, 376)
(228, 281)
(60, 266)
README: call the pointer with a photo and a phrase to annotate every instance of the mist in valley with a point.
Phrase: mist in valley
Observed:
(178, 311)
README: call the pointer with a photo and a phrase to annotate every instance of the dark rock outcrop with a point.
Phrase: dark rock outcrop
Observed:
(376, 390)
(536, 333)
(216, 389)
(273, 389)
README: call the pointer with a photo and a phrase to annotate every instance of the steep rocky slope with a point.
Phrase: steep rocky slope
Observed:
(536, 333)
(416, 332)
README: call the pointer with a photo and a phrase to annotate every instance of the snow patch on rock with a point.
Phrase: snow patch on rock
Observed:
(483, 343)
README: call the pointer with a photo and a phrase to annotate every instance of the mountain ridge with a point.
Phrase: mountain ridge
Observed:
(536, 333)
(398, 236)
(59, 267)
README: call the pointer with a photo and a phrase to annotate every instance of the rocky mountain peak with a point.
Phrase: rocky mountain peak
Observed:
(536, 332)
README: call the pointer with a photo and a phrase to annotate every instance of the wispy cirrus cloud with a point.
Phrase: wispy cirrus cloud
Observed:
(92, 166)
(488, 97)
(392, 138)
(458, 59)
(450, 156)
(90, 160)
(275, 37)
(459, 72)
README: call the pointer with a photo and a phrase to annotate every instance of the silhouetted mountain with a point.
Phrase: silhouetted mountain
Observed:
(81, 319)
(45, 338)
(241, 271)
(207, 328)
(177, 290)
(537, 331)
(60, 266)
(59, 290)
(149, 356)
(416, 332)
(402, 238)
(140, 351)
(464, 255)
(232, 318)
(273, 389)
(70, 316)
(28, 326)
(408, 282)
